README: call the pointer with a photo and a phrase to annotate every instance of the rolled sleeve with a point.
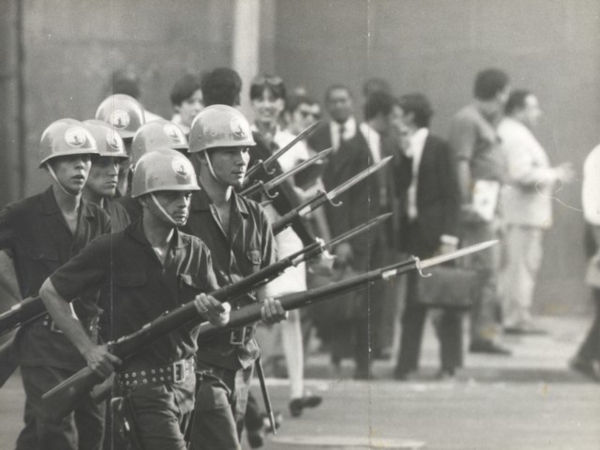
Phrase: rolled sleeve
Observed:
(87, 270)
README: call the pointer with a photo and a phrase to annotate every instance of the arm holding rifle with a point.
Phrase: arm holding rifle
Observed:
(98, 357)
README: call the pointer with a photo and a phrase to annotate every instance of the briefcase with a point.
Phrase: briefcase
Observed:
(447, 287)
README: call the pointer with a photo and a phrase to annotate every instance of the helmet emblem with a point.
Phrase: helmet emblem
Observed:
(172, 131)
(75, 137)
(181, 167)
(119, 119)
(112, 139)
(238, 128)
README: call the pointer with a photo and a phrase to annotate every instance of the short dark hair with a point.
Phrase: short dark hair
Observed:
(221, 86)
(378, 103)
(271, 83)
(125, 81)
(489, 82)
(184, 88)
(336, 87)
(516, 100)
(375, 84)
(417, 104)
(295, 101)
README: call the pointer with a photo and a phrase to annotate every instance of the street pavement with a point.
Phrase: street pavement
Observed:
(527, 401)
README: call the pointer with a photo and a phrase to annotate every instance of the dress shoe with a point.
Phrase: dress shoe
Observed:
(308, 401)
(489, 347)
(589, 369)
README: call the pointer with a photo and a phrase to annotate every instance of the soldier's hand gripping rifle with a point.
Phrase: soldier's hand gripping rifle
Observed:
(326, 197)
(265, 167)
(62, 399)
(266, 187)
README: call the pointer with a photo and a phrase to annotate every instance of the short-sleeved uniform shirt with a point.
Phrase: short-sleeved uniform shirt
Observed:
(36, 235)
(140, 288)
(245, 248)
(474, 138)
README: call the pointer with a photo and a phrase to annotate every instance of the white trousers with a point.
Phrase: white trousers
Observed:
(523, 253)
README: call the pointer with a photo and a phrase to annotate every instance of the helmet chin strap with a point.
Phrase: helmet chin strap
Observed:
(212, 171)
(164, 212)
(60, 185)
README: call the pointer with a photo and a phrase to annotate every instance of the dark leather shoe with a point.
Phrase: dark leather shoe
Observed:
(489, 347)
(308, 401)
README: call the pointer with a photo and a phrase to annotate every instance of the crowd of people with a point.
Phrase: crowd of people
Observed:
(144, 214)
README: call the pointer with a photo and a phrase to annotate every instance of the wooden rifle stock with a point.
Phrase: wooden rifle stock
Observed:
(23, 312)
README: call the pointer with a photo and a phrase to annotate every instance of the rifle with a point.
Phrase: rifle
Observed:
(267, 186)
(59, 403)
(265, 165)
(61, 399)
(326, 197)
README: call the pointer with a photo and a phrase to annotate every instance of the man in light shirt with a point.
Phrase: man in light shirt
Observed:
(527, 207)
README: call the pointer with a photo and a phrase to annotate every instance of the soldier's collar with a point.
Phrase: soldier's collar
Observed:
(201, 202)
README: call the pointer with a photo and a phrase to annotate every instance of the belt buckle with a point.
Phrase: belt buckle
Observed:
(179, 372)
(238, 336)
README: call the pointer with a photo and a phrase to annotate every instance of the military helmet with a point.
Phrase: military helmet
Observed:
(122, 112)
(66, 137)
(107, 139)
(157, 134)
(163, 169)
(220, 126)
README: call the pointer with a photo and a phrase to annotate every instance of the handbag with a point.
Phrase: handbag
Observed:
(447, 287)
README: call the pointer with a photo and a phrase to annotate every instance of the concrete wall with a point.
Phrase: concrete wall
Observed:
(436, 47)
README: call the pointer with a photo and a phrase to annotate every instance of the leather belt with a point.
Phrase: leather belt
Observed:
(91, 327)
(174, 373)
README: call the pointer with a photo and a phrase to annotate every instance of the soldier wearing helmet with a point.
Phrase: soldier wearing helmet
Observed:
(152, 136)
(101, 186)
(41, 233)
(126, 115)
(241, 242)
(150, 267)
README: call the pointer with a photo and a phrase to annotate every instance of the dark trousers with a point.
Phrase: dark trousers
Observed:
(356, 331)
(449, 332)
(221, 397)
(590, 348)
(160, 414)
(83, 429)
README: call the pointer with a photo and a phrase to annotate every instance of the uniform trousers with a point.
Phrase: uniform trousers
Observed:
(83, 429)
(486, 309)
(161, 414)
(523, 252)
(221, 397)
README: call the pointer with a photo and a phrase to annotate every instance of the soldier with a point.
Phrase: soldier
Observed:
(125, 114)
(241, 241)
(149, 267)
(101, 186)
(41, 233)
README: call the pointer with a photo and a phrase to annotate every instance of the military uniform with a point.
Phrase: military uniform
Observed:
(225, 362)
(36, 235)
(158, 382)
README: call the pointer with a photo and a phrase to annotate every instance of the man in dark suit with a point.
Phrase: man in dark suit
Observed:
(428, 190)
(343, 324)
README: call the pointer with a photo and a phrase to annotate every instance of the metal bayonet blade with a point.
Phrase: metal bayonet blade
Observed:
(357, 178)
(436, 260)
